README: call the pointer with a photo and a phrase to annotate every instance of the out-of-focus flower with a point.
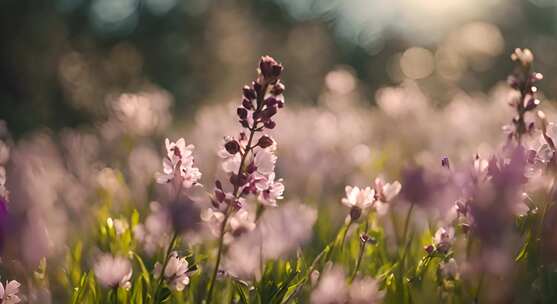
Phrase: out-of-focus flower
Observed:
(443, 239)
(449, 269)
(365, 291)
(524, 56)
(332, 288)
(178, 164)
(144, 113)
(113, 271)
(155, 232)
(176, 271)
(384, 193)
(279, 232)
(3, 191)
(264, 162)
(9, 292)
(239, 223)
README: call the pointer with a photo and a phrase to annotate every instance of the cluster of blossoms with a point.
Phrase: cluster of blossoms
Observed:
(178, 165)
(250, 161)
(523, 80)
(9, 292)
(376, 198)
(176, 271)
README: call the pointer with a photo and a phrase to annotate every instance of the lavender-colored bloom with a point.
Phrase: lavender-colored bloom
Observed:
(443, 239)
(112, 272)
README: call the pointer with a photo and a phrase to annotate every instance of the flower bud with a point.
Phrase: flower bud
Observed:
(232, 147)
(269, 124)
(277, 88)
(265, 141)
(445, 163)
(429, 249)
(270, 69)
(242, 113)
(355, 213)
(248, 92)
(246, 103)
(238, 180)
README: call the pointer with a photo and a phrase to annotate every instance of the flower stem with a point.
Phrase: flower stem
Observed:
(168, 250)
(405, 242)
(360, 256)
(219, 255)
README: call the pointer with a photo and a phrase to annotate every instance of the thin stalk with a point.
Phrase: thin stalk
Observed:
(168, 251)
(406, 242)
(219, 255)
(360, 256)
(115, 294)
(344, 234)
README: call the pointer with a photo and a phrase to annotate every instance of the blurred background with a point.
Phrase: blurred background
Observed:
(63, 61)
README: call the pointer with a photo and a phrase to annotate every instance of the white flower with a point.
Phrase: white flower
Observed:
(8, 294)
(355, 197)
(443, 239)
(331, 289)
(365, 291)
(264, 161)
(270, 190)
(384, 193)
(213, 218)
(113, 271)
(176, 271)
(241, 222)
(179, 164)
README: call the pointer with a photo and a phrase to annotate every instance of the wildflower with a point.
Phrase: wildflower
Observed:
(176, 271)
(332, 288)
(358, 200)
(365, 291)
(384, 193)
(443, 239)
(178, 164)
(270, 190)
(8, 292)
(279, 232)
(155, 232)
(112, 272)
(264, 162)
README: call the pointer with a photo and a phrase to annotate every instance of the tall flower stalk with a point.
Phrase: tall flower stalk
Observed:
(250, 164)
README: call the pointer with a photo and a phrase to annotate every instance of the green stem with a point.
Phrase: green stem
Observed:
(360, 255)
(344, 234)
(115, 295)
(219, 255)
(168, 251)
(406, 242)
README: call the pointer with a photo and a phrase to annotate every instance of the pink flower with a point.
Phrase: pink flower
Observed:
(8, 293)
(178, 164)
(270, 190)
(356, 197)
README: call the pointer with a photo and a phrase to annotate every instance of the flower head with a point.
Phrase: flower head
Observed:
(365, 291)
(443, 239)
(8, 292)
(113, 271)
(358, 200)
(176, 271)
(178, 164)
